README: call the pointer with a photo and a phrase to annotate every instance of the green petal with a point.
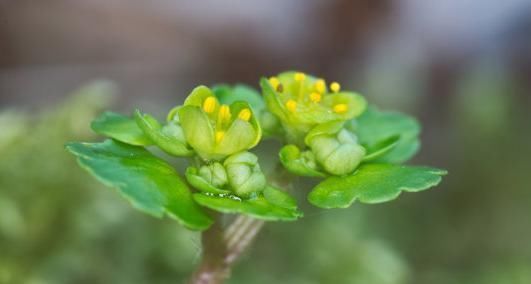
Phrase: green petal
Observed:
(329, 128)
(374, 126)
(236, 107)
(272, 100)
(373, 183)
(201, 184)
(356, 104)
(197, 129)
(290, 157)
(149, 183)
(121, 128)
(168, 143)
(259, 208)
(239, 137)
(198, 96)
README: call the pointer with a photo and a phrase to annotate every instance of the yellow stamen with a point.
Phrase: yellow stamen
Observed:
(224, 113)
(335, 87)
(320, 86)
(245, 114)
(340, 108)
(274, 82)
(299, 76)
(315, 97)
(209, 105)
(291, 105)
(219, 136)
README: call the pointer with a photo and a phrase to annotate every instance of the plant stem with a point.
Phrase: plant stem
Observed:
(222, 247)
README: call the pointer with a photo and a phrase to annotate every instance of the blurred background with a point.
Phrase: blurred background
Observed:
(463, 67)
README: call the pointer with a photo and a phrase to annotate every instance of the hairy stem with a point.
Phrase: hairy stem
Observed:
(222, 247)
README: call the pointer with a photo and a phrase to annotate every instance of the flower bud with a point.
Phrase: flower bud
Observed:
(214, 174)
(244, 174)
(338, 154)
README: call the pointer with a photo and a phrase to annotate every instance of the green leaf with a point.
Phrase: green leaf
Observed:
(259, 207)
(373, 183)
(149, 183)
(192, 176)
(291, 159)
(381, 148)
(279, 198)
(374, 126)
(171, 144)
(121, 128)
(228, 95)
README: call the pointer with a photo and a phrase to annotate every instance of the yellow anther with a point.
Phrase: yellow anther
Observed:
(274, 82)
(291, 105)
(209, 105)
(224, 113)
(245, 114)
(219, 136)
(299, 76)
(320, 86)
(315, 97)
(335, 87)
(340, 108)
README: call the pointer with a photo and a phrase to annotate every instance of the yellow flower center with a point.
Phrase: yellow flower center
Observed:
(291, 105)
(245, 114)
(219, 136)
(335, 87)
(209, 105)
(224, 113)
(299, 76)
(274, 82)
(315, 97)
(320, 86)
(340, 108)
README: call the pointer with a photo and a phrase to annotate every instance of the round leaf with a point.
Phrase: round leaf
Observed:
(121, 128)
(374, 126)
(373, 183)
(149, 183)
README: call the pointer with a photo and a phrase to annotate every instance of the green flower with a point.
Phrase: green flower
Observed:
(215, 130)
(301, 102)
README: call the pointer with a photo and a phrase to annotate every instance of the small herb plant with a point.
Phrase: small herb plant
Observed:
(350, 150)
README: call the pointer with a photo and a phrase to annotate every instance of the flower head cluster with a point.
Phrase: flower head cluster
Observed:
(221, 134)
(302, 102)
(313, 117)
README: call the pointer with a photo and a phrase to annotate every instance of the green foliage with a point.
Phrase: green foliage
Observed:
(149, 183)
(121, 128)
(273, 205)
(373, 183)
(375, 126)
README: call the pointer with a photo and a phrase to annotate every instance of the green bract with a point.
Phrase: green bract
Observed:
(216, 131)
(330, 135)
